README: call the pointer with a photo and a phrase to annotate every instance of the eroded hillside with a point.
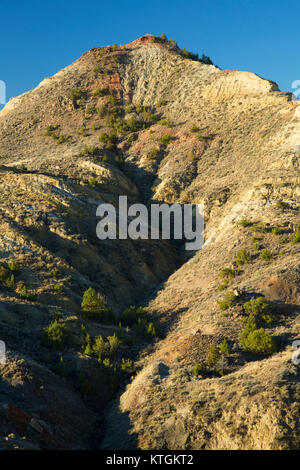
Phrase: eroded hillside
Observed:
(143, 120)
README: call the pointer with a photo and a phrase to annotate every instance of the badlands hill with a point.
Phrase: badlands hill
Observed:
(207, 363)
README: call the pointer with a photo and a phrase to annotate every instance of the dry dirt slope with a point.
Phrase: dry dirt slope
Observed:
(233, 143)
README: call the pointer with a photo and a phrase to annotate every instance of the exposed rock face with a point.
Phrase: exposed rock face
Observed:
(255, 408)
(234, 145)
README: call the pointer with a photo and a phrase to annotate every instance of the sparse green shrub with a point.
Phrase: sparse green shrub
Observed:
(187, 54)
(114, 344)
(136, 318)
(82, 131)
(106, 362)
(260, 310)
(93, 305)
(224, 348)
(126, 365)
(112, 101)
(105, 349)
(296, 237)
(213, 355)
(229, 273)
(243, 256)
(194, 128)
(63, 138)
(129, 108)
(100, 348)
(115, 112)
(165, 122)
(227, 301)
(6, 278)
(49, 130)
(103, 110)
(258, 342)
(151, 118)
(10, 281)
(201, 138)
(133, 124)
(88, 350)
(101, 91)
(89, 111)
(266, 255)
(3, 273)
(55, 335)
(57, 315)
(165, 139)
(173, 44)
(118, 123)
(282, 205)
(54, 273)
(192, 56)
(76, 94)
(119, 160)
(92, 301)
(256, 246)
(199, 369)
(140, 109)
(25, 294)
(258, 227)
(244, 222)
(92, 181)
(153, 153)
(205, 59)
(145, 329)
(223, 286)
(161, 103)
(277, 231)
(90, 151)
(98, 70)
(163, 37)
(58, 288)
(13, 267)
(131, 315)
(109, 140)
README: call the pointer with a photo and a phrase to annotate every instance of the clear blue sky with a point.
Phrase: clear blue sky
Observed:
(39, 38)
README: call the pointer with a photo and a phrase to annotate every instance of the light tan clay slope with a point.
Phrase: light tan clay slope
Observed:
(234, 145)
